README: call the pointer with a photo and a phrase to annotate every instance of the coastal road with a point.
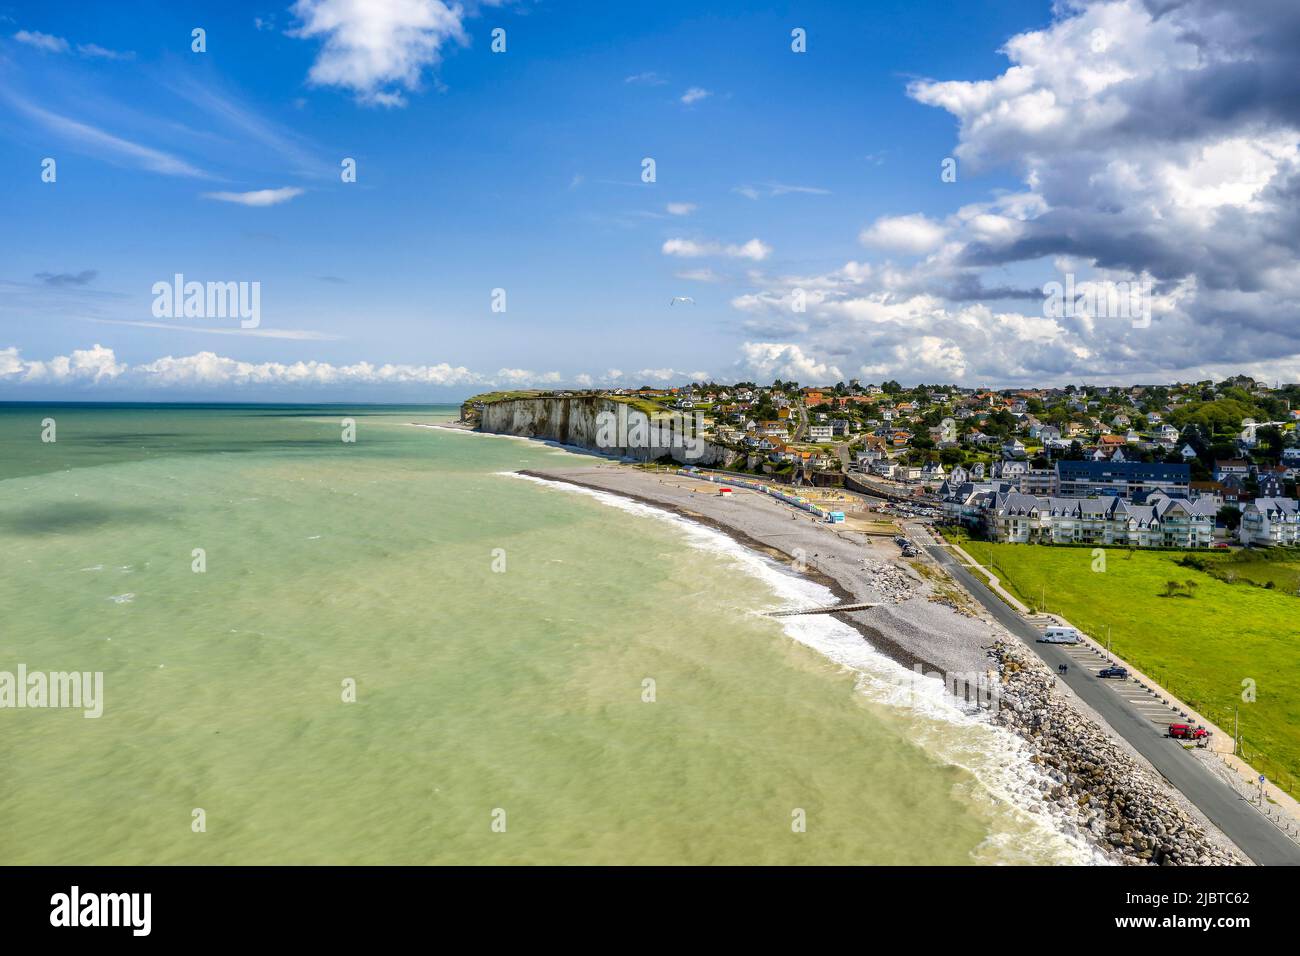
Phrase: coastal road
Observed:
(1243, 824)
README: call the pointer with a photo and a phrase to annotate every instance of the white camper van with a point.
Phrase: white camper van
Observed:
(1060, 635)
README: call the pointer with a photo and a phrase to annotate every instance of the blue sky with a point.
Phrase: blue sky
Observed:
(521, 171)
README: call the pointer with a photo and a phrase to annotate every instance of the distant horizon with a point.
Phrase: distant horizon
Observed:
(459, 399)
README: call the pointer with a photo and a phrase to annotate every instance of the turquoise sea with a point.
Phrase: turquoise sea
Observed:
(504, 637)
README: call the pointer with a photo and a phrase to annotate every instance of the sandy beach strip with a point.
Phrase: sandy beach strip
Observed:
(909, 625)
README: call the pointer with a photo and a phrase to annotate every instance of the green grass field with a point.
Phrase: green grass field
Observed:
(1201, 647)
(1275, 567)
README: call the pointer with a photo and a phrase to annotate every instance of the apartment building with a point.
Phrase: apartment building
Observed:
(1015, 517)
(1269, 522)
(1124, 479)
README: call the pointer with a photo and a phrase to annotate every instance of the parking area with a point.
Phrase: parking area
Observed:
(1146, 702)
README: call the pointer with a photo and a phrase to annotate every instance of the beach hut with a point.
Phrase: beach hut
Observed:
(835, 517)
(724, 492)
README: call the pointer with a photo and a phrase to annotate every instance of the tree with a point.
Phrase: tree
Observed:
(1221, 451)
(1270, 442)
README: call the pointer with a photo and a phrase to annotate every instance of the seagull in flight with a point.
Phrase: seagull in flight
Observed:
(681, 298)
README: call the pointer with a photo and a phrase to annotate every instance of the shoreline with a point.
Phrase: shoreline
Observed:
(1078, 742)
(924, 617)
(873, 636)
(916, 621)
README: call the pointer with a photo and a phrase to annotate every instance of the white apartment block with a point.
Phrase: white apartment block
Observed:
(1162, 522)
(1269, 522)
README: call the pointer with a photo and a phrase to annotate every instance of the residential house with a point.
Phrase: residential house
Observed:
(1268, 522)
(1233, 466)
(1272, 482)
(932, 471)
(1210, 490)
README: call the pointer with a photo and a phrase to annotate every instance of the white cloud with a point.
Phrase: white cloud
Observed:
(99, 366)
(52, 44)
(698, 275)
(768, 190)
(695, 94)
(754, 249)
(765, 361)
(98, 142)
(377, 48)
(257, 197)
(261, 332)
(665, 376)
(42, 41)
(912, 234)
(96, 52)
(210, 369)
(680, 208)
(647, 78)
(94, 365)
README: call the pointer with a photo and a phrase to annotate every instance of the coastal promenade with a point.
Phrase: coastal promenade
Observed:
(1223, 805)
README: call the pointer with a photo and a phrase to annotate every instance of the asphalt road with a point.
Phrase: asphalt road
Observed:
(1242, 823)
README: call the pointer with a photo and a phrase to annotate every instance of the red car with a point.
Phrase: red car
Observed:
(1188, 732)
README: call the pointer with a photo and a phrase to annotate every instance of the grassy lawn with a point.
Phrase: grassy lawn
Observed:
(1201, 647)
(1274, 567)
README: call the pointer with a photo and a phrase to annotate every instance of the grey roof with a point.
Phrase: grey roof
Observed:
(1103, 508)
(1017, 503)
(1122, 471)
(1272, 506)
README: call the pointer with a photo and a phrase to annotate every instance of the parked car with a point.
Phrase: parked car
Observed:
(1060, 635)
(1188, 732)
(910, 552)
(1119, 673)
